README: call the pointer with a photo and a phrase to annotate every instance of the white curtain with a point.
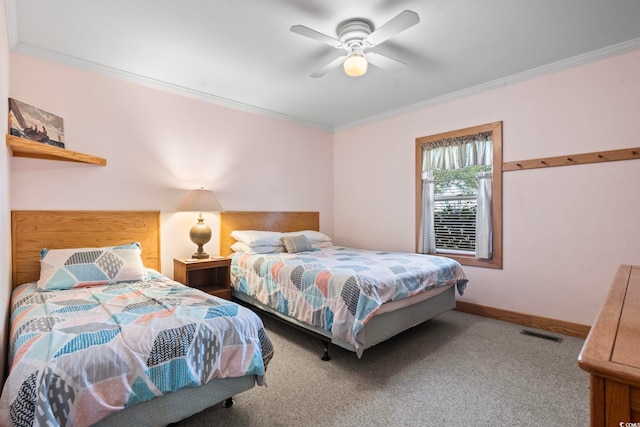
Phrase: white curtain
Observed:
(427, 236)
(483, 216)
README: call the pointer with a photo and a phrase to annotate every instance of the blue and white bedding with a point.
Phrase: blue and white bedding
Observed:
(77, 355)
(339, 289)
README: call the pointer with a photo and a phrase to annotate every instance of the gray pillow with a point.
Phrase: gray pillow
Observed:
(297, 243)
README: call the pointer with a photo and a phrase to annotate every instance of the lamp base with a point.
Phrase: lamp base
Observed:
(200, 255)
(200, 234)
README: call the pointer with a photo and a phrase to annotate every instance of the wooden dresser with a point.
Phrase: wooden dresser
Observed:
(611, 353)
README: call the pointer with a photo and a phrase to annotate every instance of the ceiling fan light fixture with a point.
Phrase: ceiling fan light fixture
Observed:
(357, 34)
(355, 65)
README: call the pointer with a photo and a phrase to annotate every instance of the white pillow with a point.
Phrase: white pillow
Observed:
(257, 238)
(264, 249)
(311, 235)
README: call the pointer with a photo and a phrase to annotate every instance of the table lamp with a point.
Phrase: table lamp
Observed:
(201, 200)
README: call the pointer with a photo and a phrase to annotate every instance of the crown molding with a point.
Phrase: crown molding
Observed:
(593, 56)
(70, 61)
(596, 55)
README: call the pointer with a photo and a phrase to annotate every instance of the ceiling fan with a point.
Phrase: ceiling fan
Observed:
(357, 34)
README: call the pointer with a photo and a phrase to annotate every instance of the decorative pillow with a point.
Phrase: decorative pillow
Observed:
(74, 268)
(297, 243)
(257, 238)
(264, 249)
(311, 235)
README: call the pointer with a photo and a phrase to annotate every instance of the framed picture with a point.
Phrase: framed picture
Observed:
(29, 122)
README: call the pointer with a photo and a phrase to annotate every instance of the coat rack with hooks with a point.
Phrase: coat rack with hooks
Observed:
(574, 159)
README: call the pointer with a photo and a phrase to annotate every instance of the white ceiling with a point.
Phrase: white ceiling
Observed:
(240, 53)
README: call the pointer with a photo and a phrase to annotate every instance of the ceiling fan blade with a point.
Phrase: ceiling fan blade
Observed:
(331, 65)
(384, 62)
(396, 25)
(313, 34)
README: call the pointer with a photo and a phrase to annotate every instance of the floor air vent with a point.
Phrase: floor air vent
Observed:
(539, 335)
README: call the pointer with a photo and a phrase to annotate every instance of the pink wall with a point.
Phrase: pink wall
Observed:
(5, 211)
(158, 145)
(566, 229)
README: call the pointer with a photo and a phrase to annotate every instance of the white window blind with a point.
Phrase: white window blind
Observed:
(455, 224)
(455, 209)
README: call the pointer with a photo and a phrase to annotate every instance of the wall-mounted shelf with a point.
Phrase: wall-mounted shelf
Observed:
(20, 147)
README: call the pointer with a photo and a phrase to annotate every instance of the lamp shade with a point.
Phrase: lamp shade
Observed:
(355, 65)
(201, 200)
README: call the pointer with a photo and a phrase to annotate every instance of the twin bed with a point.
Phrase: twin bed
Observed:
(131, 352)
(352, 298)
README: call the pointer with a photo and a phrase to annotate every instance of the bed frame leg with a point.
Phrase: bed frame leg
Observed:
(325, 346)
(228, 403)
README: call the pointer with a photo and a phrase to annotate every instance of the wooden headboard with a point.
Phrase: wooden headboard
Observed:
(31, 231)
(265, 221)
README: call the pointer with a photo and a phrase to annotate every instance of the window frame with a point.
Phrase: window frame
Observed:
(496, 209)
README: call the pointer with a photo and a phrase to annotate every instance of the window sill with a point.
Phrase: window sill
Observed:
(470, 260)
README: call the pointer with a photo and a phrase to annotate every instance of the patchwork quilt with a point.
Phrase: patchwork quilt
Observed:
(77, 355)
(340, 289)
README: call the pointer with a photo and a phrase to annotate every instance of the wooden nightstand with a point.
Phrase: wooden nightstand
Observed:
(212, 276)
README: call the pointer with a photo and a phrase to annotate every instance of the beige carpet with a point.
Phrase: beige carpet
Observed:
(455, 370)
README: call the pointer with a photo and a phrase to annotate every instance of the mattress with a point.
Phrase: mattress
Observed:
(176, 406)
(339, 290)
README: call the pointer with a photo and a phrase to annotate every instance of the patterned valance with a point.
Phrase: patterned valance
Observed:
(460, 152)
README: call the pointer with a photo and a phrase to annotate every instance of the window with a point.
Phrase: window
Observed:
(459, 195)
